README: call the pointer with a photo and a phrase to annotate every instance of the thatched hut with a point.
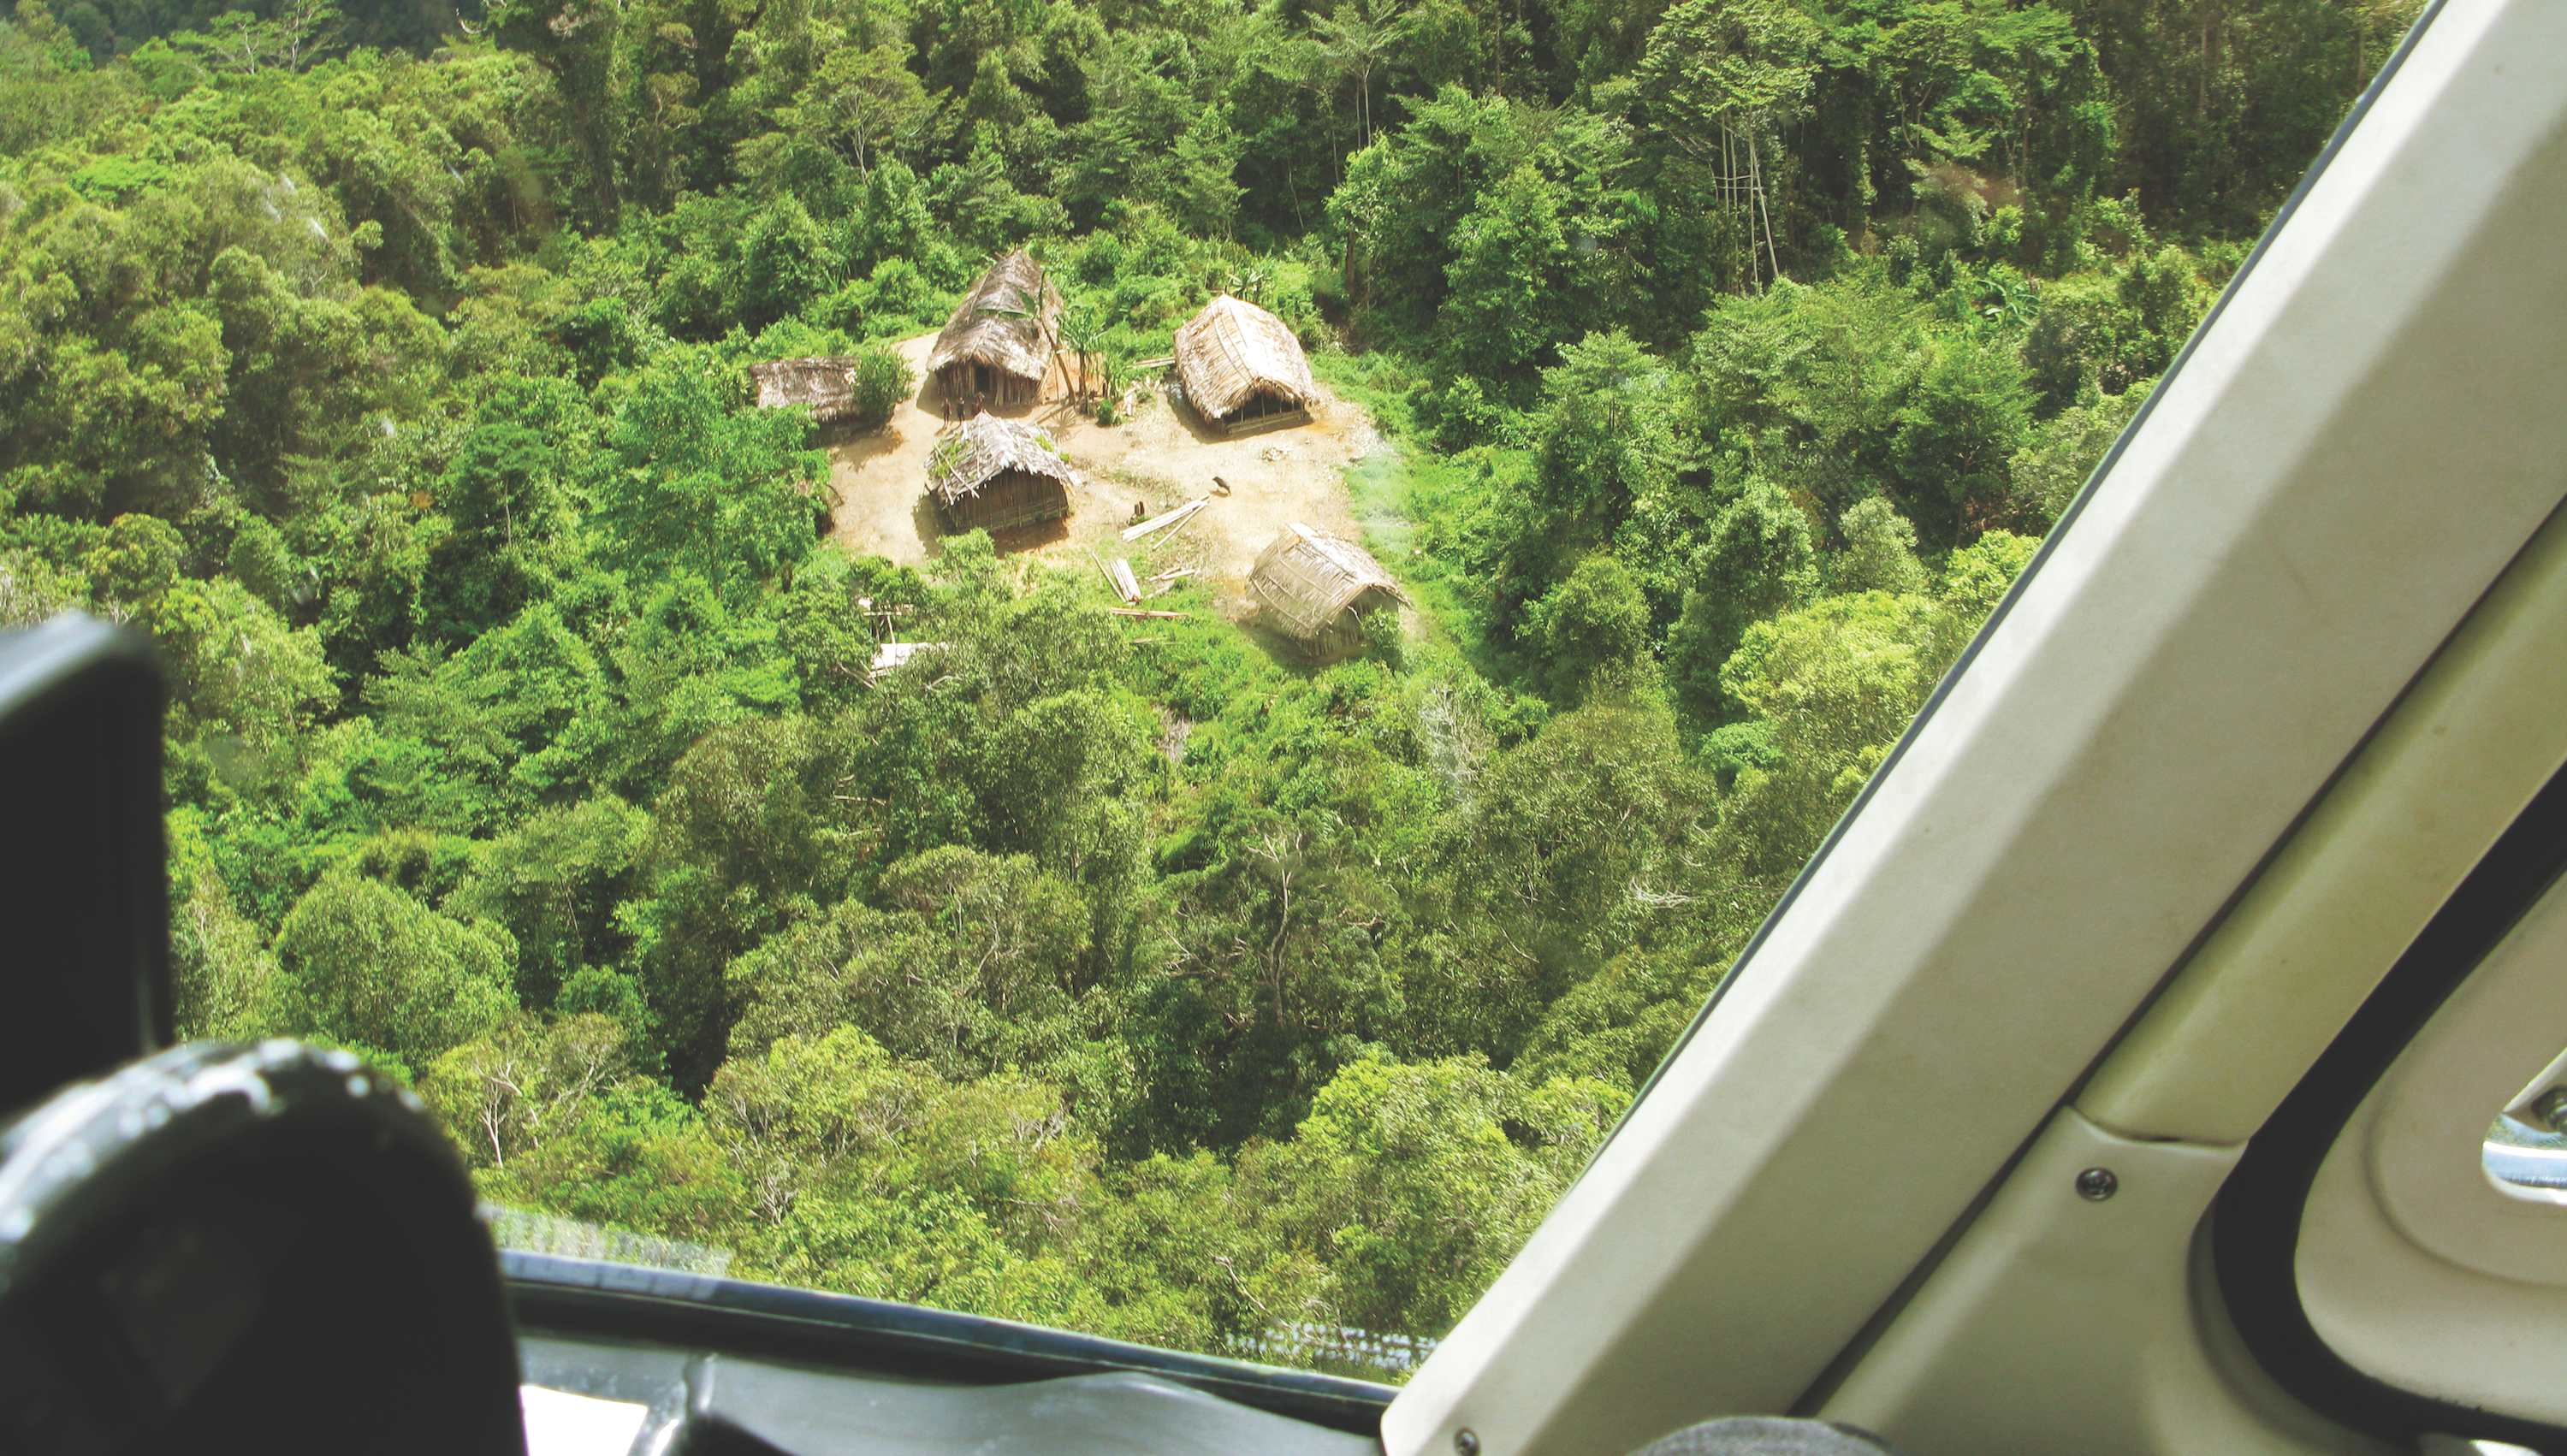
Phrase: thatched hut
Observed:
(1241, 369)
(825, 382)
(992, 473)
(1001, 355)
(1319, 588)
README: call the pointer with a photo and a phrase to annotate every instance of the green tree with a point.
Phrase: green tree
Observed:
(746, 838)
(1421, 1182)
(863, 99)
(553, 881)
(1758, 561)
(1360, 36)
(1881, 550)
(786, 261)
(525, 1083)
(698, 480)
(296, 35)
(1594, 627)
(1838, 681)
(975, 970)
(1724, 75)
(1956, 434)
(375, 966)
(2053, 464)
(638, 1158)
(1501, 314)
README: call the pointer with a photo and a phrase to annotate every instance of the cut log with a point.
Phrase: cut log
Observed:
(1173, 575)
(1169, 519)
(1140, 612)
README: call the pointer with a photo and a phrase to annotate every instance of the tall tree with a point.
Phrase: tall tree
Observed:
(1724, 75)
(1361, 36)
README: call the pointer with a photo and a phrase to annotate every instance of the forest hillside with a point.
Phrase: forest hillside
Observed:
(390, 367)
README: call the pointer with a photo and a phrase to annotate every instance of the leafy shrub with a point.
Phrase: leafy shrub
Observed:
(881, 379)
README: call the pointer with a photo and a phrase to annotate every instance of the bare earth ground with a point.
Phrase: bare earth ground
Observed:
(1155, 459)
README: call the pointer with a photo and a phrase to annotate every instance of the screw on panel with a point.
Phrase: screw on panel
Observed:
(2097, 1184)
(2552, 1108)
(1466, 1443)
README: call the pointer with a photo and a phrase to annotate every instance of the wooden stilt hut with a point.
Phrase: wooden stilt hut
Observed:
(998, 343)
(825, 382)
(991, 472)
(1319, 588)
(1243, 371)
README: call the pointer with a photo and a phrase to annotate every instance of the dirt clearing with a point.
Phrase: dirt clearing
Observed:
(1154, 461)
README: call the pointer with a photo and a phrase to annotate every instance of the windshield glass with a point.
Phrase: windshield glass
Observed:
(1117, 665)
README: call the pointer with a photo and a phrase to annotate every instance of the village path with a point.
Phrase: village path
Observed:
(1155, 459)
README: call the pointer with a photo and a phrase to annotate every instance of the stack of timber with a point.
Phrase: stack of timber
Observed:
(1318, 588)
(1001, 339)
(1121, 574)
(991, 474)
(1243, 371)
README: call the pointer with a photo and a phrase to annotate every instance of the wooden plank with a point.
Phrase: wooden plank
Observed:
(1167, 518)
(1178, 531)
(1173, 575)
(1134, 533)
(1124, 585)
(1141, 612)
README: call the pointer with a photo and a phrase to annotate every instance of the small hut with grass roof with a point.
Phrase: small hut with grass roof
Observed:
(991, 474)
(999, 342)
(1241, 369)
(825, 382)
(1319, 588)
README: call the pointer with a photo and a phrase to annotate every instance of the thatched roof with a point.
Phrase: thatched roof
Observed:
(983, 447)
(1012, 344)
(825, 382)
(1307, 577)
(1233, 351)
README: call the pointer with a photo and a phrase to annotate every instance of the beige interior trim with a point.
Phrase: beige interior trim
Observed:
(2059, 1323)
(2413, 1266)
(2426, 1133)
(2482, 731)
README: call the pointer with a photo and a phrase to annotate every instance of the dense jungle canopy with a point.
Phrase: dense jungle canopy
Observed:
(388, 366)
